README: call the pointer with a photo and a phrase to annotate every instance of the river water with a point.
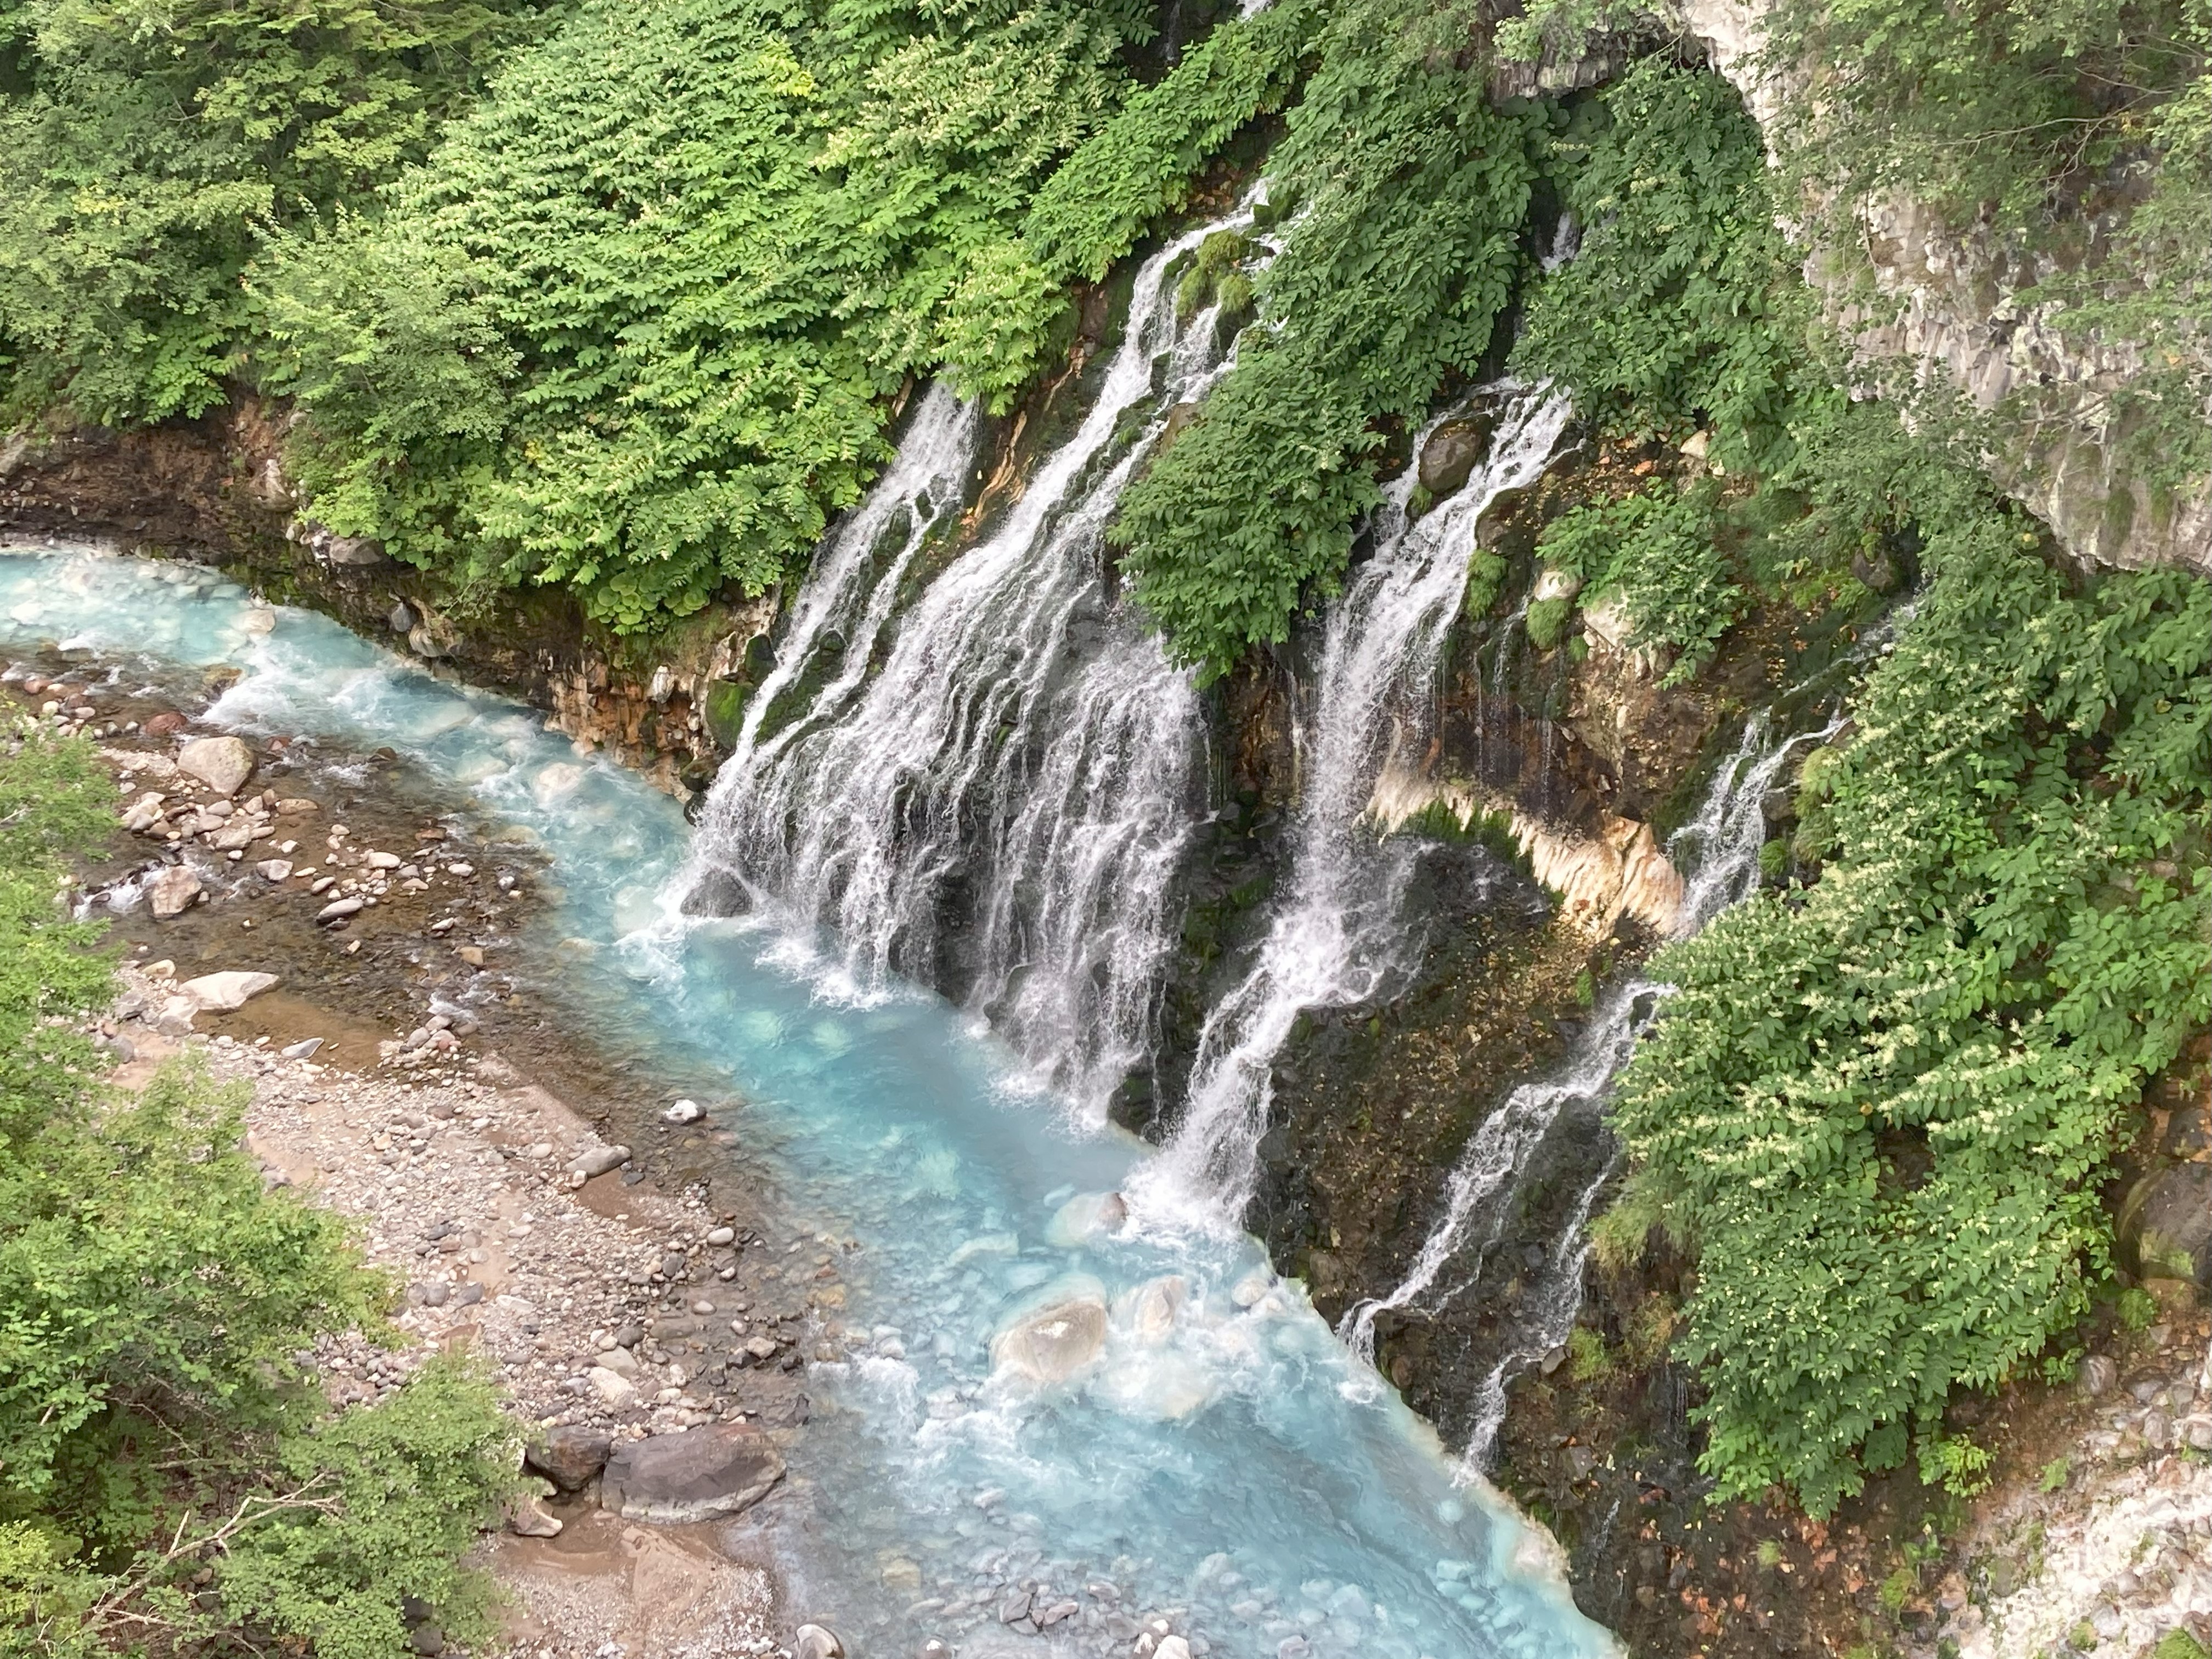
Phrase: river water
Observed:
(1225, 1463)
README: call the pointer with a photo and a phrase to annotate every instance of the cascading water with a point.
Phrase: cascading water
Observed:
(1217, 1463)
(1718, 851)
(1023, 756)
(1338, 938)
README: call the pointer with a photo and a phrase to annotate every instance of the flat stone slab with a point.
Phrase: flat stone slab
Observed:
(221, 993)
(698, 1474)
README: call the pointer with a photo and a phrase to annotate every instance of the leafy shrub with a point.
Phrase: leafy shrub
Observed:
(1412, 191)
(631, 329)
(1881, 1107)
(143, 147)
(1656, 555)
(1682, 307)
(1140, 165)
(1547, 621)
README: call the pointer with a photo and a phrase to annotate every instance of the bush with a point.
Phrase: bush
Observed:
(1404, 252)
(1656, 556)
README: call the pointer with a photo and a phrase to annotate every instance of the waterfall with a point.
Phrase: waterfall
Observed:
(1000, 801)
(1718, 851)
(1336, 939)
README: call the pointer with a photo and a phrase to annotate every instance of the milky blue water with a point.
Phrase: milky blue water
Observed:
(1224, 1463)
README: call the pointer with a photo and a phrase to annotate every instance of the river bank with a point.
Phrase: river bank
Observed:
(613, 1304)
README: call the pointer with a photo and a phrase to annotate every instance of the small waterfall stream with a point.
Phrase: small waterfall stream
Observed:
(1718, 850)
(1337, 939)
(1000, 804)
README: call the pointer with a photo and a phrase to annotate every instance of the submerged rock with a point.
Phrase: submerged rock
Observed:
(1054, 1341)
(816, 1641)
(698, 1475)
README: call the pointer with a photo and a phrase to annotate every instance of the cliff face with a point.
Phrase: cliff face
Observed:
(1951, 303)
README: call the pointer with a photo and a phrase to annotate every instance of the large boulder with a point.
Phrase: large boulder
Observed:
(698, 1474)
(571, 1458)
(170, 890)
(219, 993)
(223, 763)
(2166, 1223)
(1453, 450)
(1057, 1337)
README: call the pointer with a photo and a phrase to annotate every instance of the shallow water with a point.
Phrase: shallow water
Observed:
(1225, 1463)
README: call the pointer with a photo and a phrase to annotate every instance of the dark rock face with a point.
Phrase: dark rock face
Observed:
(2165, 1224)
(571, 1458)
(1453, 450)
(698, 1474)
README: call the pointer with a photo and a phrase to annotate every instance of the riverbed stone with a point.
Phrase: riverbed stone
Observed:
(1055, 1340)
(597, 1161)
(171, 892)
(570, 1457)
(696, 1474)
(223, 763)
(816, 1641)
(222, 993)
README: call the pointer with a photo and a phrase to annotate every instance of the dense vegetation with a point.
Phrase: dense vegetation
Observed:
(169, 1469)
(1878, 1108)
(145, 149)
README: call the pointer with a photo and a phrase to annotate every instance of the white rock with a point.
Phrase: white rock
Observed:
(223, 763)
(1057, 1338)
(613, 1390)
(221, 993)
(170, 891)
(1150, 1310)
(274, 869)
(303, 1049)
(382, 860)
(1247, 1290)
(683, 1111)
(339, 909)
(722, 1235)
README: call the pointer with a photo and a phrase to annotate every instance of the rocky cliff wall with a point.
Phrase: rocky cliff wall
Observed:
(1951, 303)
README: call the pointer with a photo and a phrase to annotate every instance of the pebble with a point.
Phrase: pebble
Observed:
(339, 909)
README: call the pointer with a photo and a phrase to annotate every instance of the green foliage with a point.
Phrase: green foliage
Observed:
(1412, 191)
(2056, 1473)
(143, 147)
(1683, 308)
(1654, 555)
(2136, 1308)
(415, 1478)
(1588, 1360)
(1486, 579)
(1140, 166)
(1546, 621)
(1883, 1107)
(2179, 1644)
(154, 1304)
(631, 329)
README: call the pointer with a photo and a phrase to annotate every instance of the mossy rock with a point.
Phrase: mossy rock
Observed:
(725, 712)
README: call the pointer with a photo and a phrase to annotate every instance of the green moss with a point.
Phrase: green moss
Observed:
(1547, 621)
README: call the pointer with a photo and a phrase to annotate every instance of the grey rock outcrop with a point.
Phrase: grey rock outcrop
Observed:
(698, 1475)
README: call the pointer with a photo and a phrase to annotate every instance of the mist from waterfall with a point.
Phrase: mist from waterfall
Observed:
(1337, 938)
(999, 797)
(1718, 852)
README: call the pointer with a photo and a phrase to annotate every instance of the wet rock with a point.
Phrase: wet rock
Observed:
(816, 1641)
(2166, 1223)
(171, 890)
(166, 724)
(222, 993)
(223, 763)
(683, 1111)
(400, 617)
(1153, 1305)
(698, 1475)
(1453, 452)
(1015, 1607)
(525, 1520)
(1057, 1339)
(571, 1458)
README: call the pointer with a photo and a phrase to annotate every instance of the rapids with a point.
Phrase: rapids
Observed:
(1221, 1460)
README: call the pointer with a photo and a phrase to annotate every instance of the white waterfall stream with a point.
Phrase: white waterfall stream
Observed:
(1718, 852)
(1337, 939)
(1023, 757)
